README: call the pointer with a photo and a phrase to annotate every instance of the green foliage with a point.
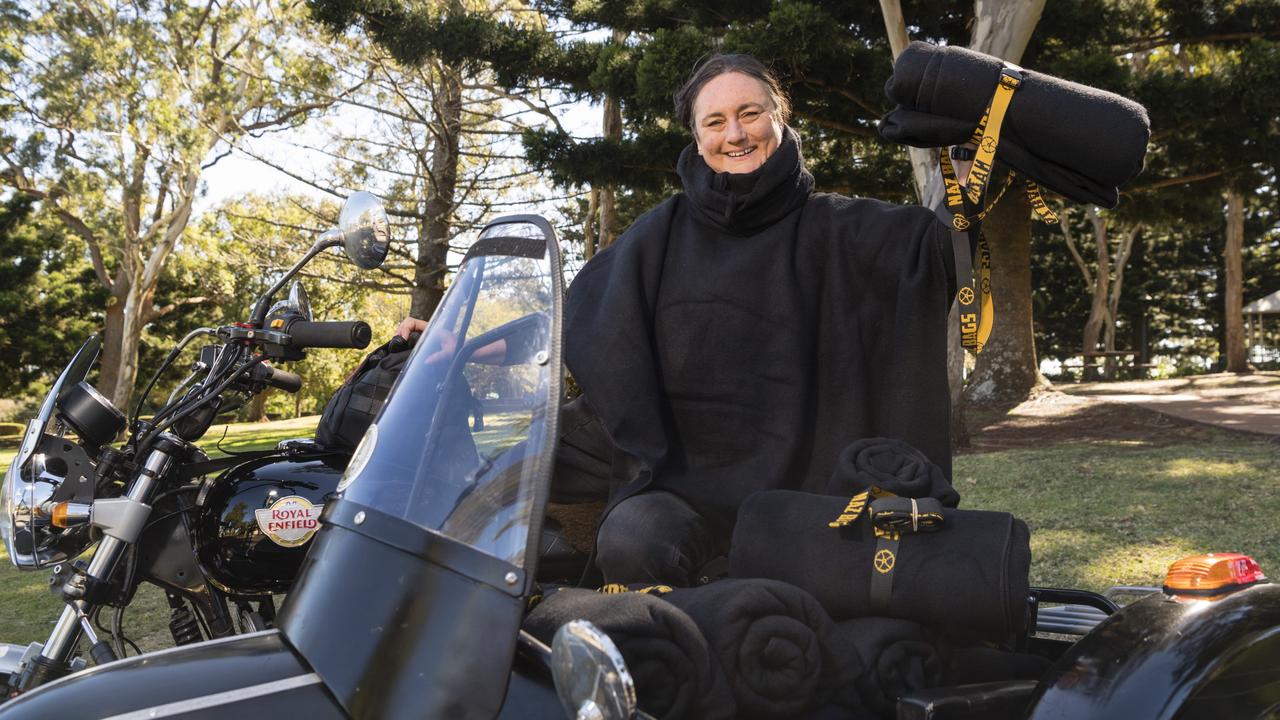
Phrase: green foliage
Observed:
(48, 297)
(233, 254)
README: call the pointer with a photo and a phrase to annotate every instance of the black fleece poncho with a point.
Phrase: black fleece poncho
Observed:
(740, 334)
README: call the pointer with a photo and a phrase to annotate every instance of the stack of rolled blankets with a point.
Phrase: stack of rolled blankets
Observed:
(764, 644)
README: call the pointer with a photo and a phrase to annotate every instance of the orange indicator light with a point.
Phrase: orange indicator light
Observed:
(1212, 575)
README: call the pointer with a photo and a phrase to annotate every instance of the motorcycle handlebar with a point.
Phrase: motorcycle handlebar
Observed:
(283, 379)
(340, 334)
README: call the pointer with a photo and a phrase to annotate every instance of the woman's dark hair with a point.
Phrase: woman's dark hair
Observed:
(717, 65)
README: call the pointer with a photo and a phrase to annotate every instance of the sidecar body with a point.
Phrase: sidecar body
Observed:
(410, 600)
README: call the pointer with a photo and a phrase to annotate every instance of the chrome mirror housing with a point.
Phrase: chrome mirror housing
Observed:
(591, 677)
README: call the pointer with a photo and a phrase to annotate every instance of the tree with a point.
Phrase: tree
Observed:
(1104, 280)
(834, 58)
(1201, 57)
(437, 143)
(48, 301)
(129, 104)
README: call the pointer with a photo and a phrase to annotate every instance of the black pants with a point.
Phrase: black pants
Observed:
(655, 537)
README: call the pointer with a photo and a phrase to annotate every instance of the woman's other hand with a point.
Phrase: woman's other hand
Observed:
(409, 326)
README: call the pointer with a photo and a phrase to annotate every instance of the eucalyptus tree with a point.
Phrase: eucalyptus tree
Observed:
(120, 108)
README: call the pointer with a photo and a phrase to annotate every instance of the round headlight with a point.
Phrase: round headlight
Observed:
(93, 417)
(590, 675)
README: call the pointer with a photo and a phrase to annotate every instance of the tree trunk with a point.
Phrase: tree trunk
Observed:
(122, 334)
(924, 162)
(433, 234)
(1003, 27)
(258, 407)
(608, 193)
(1007, 370)
(589, 225)
(1099, 291)
(1233, 312)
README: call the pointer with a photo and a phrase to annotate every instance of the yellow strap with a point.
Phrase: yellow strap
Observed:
(973, 284)
(1043, 213)
(989, 128)
(856, 505)
(851, 511)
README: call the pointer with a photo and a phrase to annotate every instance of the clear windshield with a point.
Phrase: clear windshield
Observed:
(29, 482)
(462, 443)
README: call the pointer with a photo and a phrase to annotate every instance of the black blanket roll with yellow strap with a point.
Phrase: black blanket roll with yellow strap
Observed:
(675, 674)
(1076, 140)
(969, 578)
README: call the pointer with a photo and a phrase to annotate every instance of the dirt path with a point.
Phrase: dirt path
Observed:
(1248, 403)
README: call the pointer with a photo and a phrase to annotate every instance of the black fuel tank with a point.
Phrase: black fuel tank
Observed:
(257, 520)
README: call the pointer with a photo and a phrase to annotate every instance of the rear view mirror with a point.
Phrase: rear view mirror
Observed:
(365, 230)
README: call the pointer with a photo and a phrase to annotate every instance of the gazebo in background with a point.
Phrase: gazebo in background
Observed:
(1263, 337)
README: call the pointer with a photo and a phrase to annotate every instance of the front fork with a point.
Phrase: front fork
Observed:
(122, 521)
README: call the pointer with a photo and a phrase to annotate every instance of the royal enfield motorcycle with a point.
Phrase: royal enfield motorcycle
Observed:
(410, 600)
(220, 545)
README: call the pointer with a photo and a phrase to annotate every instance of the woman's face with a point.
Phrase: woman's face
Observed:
(733, 123)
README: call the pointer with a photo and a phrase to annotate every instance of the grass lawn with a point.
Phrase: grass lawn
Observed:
(28, 609)
(1117, 513)
(1112, 496)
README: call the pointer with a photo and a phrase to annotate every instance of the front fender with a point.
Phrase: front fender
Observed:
(1161, 658)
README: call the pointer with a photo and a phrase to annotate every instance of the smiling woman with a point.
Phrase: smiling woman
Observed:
(736, 111)
(743, 332)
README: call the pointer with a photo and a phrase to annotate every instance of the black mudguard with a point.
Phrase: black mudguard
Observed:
(1162, 658)
(243, 677)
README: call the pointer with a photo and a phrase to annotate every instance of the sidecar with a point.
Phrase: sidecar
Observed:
(410, 601)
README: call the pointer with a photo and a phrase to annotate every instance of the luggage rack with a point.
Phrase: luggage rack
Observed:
(1078, 612)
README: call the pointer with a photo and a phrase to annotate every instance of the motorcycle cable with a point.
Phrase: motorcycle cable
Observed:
(164, 365)
(189, 408)
(118, 638)
(224, 363)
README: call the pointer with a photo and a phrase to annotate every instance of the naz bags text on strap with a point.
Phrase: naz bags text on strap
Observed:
(1076, 140)
(770, 639)
(969, 578)
(675, 674)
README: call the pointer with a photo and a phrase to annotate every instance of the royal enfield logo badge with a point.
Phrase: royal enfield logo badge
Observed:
(290, 521)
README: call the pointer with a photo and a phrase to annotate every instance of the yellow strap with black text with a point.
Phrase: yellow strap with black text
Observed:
(977, 307)
(973, 293)
(987, 134)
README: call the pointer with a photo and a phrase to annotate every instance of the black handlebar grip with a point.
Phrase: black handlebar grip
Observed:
(342, 334)
(283, 379)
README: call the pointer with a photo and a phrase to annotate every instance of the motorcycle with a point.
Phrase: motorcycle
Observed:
(410, 600)
(154, 505)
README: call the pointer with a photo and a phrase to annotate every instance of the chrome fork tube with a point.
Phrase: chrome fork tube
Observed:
(66, 632)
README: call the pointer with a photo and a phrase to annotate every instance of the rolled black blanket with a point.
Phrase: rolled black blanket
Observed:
(891, 465)
(1077, 140)
(771, 640)
(968, 578)
(882, 659)
(675, 674)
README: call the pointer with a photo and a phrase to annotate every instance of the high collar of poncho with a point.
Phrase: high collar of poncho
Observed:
(746, 203)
